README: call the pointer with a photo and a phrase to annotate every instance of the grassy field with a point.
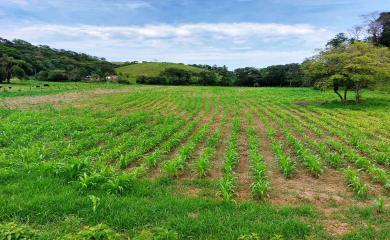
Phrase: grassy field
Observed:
(33, 87)
(151, 69)
(154, 162)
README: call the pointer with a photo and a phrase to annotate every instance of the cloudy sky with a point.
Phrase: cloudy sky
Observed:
(235, 33)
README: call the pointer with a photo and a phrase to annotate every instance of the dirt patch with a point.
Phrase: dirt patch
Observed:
(335, 227)
(58, 99)
(193, 191)
(302, 103)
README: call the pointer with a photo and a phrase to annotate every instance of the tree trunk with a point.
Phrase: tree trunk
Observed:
(9, 73)
(357, 93)
(345, 94)
(336, 90)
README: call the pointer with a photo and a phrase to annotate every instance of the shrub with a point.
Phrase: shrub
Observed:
(98, 232)
(13, 231)
(18, 72)
(73, 169)
(42, 76)
(57, 76)
(157, 234)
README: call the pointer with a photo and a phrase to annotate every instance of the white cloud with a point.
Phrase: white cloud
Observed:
(237, 32)
(189, 43)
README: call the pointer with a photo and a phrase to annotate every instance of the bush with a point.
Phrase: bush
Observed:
(42, 76)
(157, 234)
(13, 231)
(18, 72)
(57, 76)
(98, 232)
(73, 169)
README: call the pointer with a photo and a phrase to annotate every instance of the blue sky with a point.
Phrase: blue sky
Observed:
(235, 33)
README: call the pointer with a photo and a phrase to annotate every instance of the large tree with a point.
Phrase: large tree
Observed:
(384, 20)
(6, 64)
(350, 66)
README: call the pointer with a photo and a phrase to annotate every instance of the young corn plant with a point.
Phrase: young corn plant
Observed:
(357, 185)
(286, 165)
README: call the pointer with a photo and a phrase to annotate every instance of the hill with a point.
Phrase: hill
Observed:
(151, 69)
(23, 60)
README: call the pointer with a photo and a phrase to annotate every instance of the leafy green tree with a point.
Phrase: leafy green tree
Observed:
(42, 75)
(6, 64)
(353, 66)
(339, 40)
(18, 72)
(248, 76)
(207, 78)
(384, 20)
(57, 75)
(3, 74)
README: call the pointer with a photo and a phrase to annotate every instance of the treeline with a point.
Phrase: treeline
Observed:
(278, 75)
(21, 59)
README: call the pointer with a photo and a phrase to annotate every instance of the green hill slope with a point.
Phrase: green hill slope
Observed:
(150, 69)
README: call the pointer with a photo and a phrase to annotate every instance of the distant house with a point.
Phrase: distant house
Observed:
(92, 78)
(112, 77)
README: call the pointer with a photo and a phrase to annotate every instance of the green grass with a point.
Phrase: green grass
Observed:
(34, 87)
(151, 69)
(55, 159)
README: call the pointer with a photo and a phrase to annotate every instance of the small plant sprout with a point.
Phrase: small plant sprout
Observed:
(95, 202)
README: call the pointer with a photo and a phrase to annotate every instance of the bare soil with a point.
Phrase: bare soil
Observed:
(57, 99)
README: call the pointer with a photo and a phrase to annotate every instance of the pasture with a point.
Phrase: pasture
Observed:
(195, 163)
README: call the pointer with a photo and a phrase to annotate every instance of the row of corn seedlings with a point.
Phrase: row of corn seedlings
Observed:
(302, 128)
(227, 183)
(174, 166)
(286, 164)
(151, 159)
(260, 186)
(134, 143)
(352, 138)
(335, 160)
(310, 160)
(203, 163)
(363, 163)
